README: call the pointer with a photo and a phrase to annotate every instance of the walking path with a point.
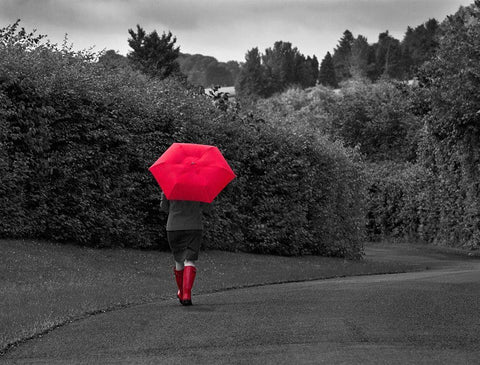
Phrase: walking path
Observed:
(426, 317)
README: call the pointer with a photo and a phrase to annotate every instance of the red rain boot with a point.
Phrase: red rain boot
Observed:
(179, 280)
(188, 279)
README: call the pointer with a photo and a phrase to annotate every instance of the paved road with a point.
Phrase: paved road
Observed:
(429, 317)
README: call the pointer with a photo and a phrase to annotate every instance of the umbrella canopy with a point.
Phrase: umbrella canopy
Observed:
(188, 171)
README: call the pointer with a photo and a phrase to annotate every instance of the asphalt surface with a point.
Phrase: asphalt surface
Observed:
(427, 317)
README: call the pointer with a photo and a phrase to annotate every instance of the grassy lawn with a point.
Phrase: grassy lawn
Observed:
(44, 285)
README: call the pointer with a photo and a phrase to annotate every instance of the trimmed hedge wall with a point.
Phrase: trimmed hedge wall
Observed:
(414, 202)
(439, 198)
(397, 201)
(77, 140)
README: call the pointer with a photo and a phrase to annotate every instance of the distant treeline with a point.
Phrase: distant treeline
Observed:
(207, 71)
(387, 57)
(200, 70)
(283, 65)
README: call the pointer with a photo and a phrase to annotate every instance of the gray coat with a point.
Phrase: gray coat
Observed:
(183, 214)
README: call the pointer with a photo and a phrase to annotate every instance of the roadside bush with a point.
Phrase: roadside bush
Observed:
(396, 201)
(294, 195)
(77, 140)
(437, 198)
(300, 111)
(71, 136)
(381, 121)
(377, 118)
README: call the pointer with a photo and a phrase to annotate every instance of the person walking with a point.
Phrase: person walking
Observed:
(184, 233)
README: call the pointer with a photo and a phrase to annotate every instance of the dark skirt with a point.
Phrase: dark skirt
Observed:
(185, 245)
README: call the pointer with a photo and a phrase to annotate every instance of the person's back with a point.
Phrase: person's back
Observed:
(183, 215)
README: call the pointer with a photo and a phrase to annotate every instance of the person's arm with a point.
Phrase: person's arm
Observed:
(164, 203)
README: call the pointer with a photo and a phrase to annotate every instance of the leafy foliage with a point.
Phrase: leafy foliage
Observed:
(207, 71)
(397, 201)
(250, 82)
(450, 147)
(281, 67)
(388, 57)
(360, 59)
(327, 75)
(379, 119)
(342, 56)
(154, 55)
(436, 199)
(419, 45)
(112, 59)
(301, 112)
(78, 136)
(380, 123)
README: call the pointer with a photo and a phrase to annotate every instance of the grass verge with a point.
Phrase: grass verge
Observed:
(44, 285)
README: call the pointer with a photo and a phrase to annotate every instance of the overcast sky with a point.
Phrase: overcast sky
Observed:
(224, 29)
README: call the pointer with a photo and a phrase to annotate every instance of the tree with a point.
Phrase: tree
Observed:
(279, 63)
(419, 45)
(342, 56)
(234, 68)
(154, 55)
(112, 59)
(281, 67)
(360, 54)
(206, 70)
(327, 75)
(306, 70)
(195, 67)
(451, 146)
(218, 74)
(250, 80)
(285, 66)
(10, 35)
(388, 56)
(378, 119)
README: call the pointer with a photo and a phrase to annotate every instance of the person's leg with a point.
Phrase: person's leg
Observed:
(190, 271)
(189, 274)
(178, 247)
(189, 263)
(178, 271)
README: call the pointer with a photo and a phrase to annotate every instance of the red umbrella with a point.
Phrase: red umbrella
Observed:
(188, 171)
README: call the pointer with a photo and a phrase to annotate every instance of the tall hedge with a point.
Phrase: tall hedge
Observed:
(437, 199)
(383, 123)
(398, 201)
(77, 140)
(450, 150)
